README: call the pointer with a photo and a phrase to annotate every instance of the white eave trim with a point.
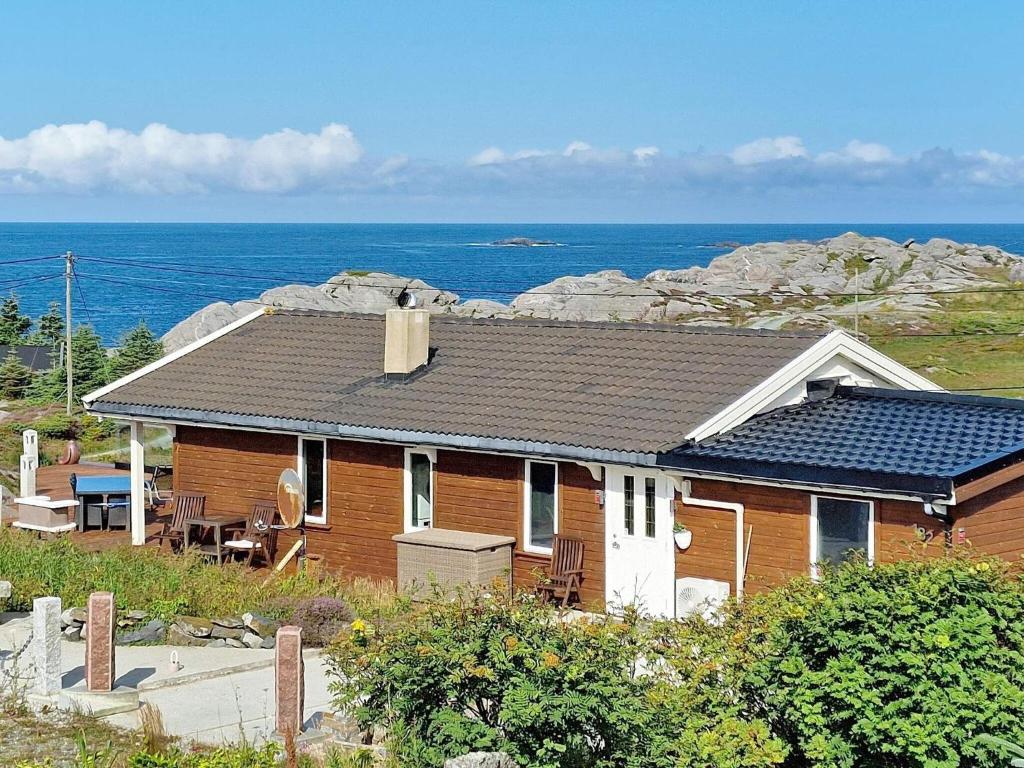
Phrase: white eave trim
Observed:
(89, 398)
(837, 342)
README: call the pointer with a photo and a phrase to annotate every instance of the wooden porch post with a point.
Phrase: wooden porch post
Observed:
(138, 479)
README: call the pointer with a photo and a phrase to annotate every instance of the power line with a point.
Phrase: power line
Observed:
(31, 259)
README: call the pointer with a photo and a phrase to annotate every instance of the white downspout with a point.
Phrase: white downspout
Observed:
(137, 510)
(740, 554)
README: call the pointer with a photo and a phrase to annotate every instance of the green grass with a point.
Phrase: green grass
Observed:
(168, 585)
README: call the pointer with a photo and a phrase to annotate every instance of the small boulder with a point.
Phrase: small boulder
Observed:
(230, 622)
(195, 626)
(73, 632)
(5, 590)
(232, 643)
(153, 632)
(136, 615)
(218, 643)
(269, 642)
(227, 632)
(251, 641)
(260, 625)
(481, 760)
(73, 616)
(177, 636)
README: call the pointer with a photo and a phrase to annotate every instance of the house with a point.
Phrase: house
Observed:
(37, 359)
(610, 432)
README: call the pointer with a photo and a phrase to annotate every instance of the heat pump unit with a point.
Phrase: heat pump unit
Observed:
(703, 596)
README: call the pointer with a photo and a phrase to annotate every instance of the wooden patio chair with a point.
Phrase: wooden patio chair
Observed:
(186, 505)
(259, 536)
(564, 577)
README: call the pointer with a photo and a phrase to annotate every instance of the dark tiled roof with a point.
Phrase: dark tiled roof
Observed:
(887, 438)
(608, 386)
(35, 357)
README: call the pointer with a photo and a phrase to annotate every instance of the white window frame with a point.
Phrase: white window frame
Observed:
(814, 554)
(527, 516)
(300, 467)
(431, 454)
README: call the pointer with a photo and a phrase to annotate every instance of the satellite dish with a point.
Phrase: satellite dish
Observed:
(291, 501)
(407, 300)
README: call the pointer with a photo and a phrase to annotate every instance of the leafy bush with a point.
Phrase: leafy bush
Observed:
(902, 664)
(321, 619)
(479, 673)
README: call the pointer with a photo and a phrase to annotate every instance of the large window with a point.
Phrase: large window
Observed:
(419, 489)
(541, 522)
(841, 529)
(313, 471)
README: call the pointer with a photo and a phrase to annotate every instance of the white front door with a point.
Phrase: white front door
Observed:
(640, 559)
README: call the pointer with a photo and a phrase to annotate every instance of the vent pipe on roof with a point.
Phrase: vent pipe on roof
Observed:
(406, 340)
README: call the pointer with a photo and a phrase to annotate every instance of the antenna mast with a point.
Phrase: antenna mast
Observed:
(856, 302)
(69, 262)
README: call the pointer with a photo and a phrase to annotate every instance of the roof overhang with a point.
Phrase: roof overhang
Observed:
(768, 391)
(356, 432)
(914, 486)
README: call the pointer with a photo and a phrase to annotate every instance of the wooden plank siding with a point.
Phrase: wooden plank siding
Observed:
(778, 522)
(993, 521)
(365, 482)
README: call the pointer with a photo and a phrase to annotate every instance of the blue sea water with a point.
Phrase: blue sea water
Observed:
(163, 272)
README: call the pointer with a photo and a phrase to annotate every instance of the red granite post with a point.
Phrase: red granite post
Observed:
(99, 642)
(289, 680)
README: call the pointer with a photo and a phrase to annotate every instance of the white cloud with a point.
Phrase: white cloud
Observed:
(768, 150)
(159, 159)
(95, 159)
(859, 151)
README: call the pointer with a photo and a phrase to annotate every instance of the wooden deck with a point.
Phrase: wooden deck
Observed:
(54, 481)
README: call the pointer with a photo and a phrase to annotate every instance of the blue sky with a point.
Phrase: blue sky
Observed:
(481, 111)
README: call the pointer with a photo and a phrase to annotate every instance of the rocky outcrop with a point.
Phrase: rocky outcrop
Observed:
(347, 292)
(762, 285)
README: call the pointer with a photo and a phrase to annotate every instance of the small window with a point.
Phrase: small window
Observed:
(629, 490)
(313, 471)
(841, 529)
(649, 498)
(541, 505)
(419, 502)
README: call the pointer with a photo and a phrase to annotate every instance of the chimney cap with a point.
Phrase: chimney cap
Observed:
(407, 300)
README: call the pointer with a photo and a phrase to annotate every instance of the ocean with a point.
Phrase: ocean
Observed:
(161, 273)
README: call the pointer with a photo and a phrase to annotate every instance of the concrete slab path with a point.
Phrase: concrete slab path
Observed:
(219, 695)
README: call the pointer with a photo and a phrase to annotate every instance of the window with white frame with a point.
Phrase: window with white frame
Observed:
(841, 529)
(313, 471)
(419, 489)
(541, 503)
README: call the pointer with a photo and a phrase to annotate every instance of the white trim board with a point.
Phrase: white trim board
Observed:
(170, 358)
(837, 343)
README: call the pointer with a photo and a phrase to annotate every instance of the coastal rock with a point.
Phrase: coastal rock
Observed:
(764, 285)
(373, 292)
(481, 760)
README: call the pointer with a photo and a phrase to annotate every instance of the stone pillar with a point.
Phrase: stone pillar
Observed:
(289, 680)
(29, 462)
(27, 485)
(46, 635)
(99, 642)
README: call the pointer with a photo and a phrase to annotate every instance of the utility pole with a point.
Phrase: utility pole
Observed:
(69, 265)
(856, 302)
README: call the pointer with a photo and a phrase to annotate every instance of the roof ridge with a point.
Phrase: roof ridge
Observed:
(538, 322)
(958, 398)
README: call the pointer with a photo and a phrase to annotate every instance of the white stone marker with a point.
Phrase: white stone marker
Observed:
(46, 635)
(27, 477)
(30, 444)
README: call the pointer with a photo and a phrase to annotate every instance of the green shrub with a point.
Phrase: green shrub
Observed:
(902, 664)
(479, 673)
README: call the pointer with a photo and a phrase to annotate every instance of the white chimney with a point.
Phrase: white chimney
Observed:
(406, 340)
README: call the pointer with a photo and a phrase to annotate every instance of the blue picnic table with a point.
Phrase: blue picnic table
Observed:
(102, 499)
